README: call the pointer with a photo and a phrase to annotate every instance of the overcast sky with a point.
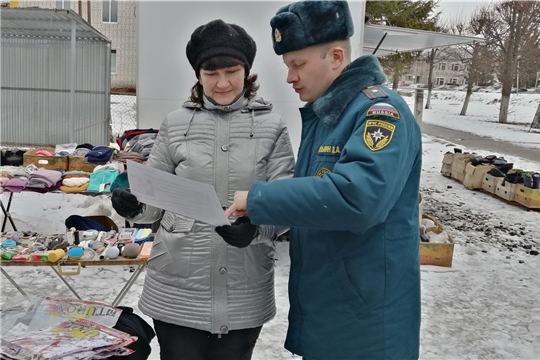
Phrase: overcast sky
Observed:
(459, 9)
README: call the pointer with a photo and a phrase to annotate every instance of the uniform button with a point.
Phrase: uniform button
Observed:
(223, 271)
(224, 207)
(224, 329)
(225, 147)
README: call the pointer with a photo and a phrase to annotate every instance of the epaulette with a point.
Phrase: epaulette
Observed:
(374, 92)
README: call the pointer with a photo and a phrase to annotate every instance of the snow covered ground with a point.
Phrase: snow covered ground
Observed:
(484, 307)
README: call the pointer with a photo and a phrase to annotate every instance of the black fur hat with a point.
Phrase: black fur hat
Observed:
(306, 23)
(218, 38)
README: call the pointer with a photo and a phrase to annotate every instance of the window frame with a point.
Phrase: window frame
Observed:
(107, 11)
(63, 4)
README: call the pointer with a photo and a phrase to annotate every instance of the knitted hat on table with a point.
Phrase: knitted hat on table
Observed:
(306, 23)
(218, 38)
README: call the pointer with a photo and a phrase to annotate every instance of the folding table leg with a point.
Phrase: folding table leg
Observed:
(65, 282)
(7, 215)
(13, 282)
(128, 285)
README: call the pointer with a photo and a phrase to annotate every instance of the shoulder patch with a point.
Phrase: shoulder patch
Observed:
(383, 109)
(374, 92)
(378, 134)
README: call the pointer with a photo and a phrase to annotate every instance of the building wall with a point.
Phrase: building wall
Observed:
(121, 34)
(445, 71)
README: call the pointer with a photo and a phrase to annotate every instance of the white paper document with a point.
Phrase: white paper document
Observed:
(174, 193)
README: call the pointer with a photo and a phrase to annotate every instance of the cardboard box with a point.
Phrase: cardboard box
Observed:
(446, 168)
(47, 162)
(490, 182)
(527, 196)
(438, 254)
(505, 190)
(80, 163)
(459, 163)
(474, 175)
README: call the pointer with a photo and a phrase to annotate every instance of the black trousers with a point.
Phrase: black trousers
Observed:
(183, 343)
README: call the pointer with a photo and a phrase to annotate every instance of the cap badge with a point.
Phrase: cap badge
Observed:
(277, 35)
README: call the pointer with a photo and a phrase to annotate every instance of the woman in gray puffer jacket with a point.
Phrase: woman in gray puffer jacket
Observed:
(209, 295)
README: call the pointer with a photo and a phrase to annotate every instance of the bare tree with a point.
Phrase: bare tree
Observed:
(430, 58)
(478, 64)
(507, 27)
(536, 119)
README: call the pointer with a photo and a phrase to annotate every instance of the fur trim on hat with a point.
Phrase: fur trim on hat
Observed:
(307, 23)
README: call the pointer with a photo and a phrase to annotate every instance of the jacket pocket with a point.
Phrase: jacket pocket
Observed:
(174, 223)
(259, 260)
(352, 298)
(177, 243)
(159, 256)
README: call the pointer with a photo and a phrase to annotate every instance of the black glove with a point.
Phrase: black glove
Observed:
(240, 234)
(125, 203)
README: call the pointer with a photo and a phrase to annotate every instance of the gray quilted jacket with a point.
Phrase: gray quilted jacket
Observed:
(194, 278)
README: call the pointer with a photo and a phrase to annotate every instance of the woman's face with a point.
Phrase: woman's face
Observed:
(223, 85)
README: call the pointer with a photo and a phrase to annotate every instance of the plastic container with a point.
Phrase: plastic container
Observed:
(6, 244)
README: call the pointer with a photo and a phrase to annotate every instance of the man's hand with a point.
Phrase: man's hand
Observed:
(239, 206)
(240, 234)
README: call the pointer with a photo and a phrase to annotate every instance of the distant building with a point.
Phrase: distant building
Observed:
(114, 19)
(445, 71)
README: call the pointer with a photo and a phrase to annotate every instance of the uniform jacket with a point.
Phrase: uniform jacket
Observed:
(194, 278)
(354, 284)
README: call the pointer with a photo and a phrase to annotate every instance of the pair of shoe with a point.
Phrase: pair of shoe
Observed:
(531, 180)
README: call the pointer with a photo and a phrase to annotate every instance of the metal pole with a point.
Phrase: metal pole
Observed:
(418, 105)
(72, 88)
(358, 9)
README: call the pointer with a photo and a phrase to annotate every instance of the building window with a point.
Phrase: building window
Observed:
(63, 4)
(455, 67)
(113, 61)
(442, 66)
(453, 81)
(110, 11)
(440, 81)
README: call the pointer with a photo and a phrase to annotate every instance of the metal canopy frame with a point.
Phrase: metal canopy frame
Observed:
(390, 40)
(52, 24)
(47, 23)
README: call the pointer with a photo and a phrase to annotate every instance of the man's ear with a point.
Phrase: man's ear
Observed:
(337, 54)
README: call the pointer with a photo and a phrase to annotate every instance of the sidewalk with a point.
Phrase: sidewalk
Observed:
(472, 141)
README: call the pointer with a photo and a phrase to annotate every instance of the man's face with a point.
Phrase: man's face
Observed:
(310, 72)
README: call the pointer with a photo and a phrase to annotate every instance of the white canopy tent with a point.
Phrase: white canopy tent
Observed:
(388, 40)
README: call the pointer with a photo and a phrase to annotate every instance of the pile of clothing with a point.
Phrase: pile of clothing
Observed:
(32, 178)
(136, 144)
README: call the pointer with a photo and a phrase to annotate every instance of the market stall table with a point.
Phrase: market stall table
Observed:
(57, 268)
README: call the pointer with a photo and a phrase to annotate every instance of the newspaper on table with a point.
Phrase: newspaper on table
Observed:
(72, 339)
(52, 311)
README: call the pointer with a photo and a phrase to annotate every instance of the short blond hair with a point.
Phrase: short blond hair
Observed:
(344, 44)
